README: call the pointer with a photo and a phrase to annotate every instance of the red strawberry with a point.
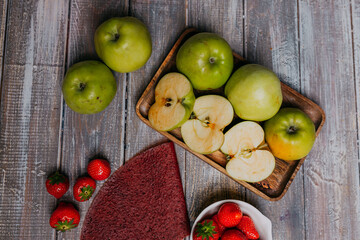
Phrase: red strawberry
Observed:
(65, 217)
(57, 184)
(247, 226)
(229, 214)
(221, 227)
(84, 188)
(99, 169)
(233, 234)
(207, 229)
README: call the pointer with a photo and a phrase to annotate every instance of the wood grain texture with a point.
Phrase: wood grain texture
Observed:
(30, 116)
(355, 13)
(165, 21)
(271, 34)
(3, 16)
(331, 175)
(204, 183)
(88, 136)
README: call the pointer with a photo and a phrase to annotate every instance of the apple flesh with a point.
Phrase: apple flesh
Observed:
(204, 132)
(249, 161)
(174, 101)
(255, 92)
(88, 87)
(206, 59)
(124, 44)
(290, 134)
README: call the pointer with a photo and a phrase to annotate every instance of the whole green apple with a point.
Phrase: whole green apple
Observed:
(290, 134)
(255, 92)
(124, 44)
(88, 87)
(206, 59)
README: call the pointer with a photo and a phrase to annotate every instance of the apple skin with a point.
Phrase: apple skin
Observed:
(89, 87)
(124, 44)
(206, 59)
(290, 134)
(255, 92)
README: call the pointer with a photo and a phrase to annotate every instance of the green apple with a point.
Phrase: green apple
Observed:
(255, 92)
(203, 133)
(124, 44)
(206, 59)
(249, 160)
(174, 102)
(89, 87)
(290, 134)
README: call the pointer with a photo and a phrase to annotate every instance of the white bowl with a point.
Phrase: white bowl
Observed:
(262, 223)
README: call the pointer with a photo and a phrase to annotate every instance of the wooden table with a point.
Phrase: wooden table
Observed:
(313, 46)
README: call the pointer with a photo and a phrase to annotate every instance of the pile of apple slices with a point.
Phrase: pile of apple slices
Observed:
(202, 121)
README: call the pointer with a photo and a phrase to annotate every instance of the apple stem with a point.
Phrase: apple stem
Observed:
(82, 86)
(116, 37)
(291, 129)
(265, 145)
(211, 60)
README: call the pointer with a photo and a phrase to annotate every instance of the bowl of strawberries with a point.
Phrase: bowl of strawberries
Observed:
(231, 220)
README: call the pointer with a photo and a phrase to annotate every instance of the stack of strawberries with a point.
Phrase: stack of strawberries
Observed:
(66, 217)
(228, 224)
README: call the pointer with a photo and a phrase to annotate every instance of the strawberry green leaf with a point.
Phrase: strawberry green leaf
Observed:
(66, 225)
(86, 193)
(57, 178)
(206, 229)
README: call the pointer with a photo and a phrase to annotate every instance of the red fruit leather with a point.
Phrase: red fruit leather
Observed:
(143, 199)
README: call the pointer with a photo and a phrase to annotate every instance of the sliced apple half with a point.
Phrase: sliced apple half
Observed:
(248, 158)
(203, 133)
(174, 102)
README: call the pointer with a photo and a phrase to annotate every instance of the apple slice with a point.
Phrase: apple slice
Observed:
(204, 132)
(249, 159)
(174, 101)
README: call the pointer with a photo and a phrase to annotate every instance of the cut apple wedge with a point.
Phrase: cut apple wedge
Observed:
(174, 101)
(204, 132)
(248, 158)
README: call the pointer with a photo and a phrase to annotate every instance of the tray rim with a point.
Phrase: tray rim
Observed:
(204, 157)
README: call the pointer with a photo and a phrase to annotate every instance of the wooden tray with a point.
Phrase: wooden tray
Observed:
(275, 186)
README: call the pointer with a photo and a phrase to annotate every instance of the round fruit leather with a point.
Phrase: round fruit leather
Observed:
(143, 199)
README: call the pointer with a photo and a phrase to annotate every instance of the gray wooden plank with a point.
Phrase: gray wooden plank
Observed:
(331, 173)
(165, 21)
(271, 36)
(3, 7)
(101, 134)
(355, 14)
(204, 183)
(30, 116)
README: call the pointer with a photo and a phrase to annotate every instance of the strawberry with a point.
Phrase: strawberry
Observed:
(57, 184)
(247, 226)
(65, 217)
(233, 234)
(84, 188)
(229, 214)
(99, 169)
(207, 229)
(221, 227)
